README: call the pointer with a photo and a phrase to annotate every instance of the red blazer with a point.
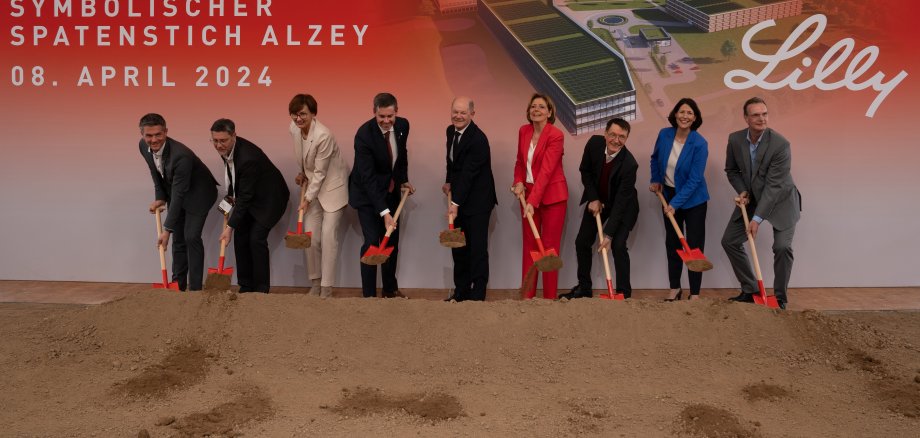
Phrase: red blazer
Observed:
(549, 186)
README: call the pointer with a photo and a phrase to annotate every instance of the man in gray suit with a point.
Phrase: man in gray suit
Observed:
(758, 164)
(183, 182)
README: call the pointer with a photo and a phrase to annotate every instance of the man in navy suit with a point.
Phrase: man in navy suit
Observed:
(381, 169)
(184, 183)
(259, 196)
(471, 185)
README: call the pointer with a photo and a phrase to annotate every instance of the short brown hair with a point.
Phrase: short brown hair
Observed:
(302, 100)
(752, 101)
(549, 105)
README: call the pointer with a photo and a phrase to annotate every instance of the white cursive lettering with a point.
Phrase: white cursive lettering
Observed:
(829, 63)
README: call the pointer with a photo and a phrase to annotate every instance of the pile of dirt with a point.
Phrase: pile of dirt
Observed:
(435, 406)
(713, 422)
(765, 391)
(185, 366)
(221, 364)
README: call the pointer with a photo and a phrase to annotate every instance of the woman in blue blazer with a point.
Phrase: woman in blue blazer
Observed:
(678, 164)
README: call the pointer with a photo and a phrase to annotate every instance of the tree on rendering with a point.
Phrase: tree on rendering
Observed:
(729, 49)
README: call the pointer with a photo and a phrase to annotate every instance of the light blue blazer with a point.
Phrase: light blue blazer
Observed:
(689, 182)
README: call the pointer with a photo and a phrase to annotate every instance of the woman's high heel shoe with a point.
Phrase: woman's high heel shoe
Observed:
(676, 296)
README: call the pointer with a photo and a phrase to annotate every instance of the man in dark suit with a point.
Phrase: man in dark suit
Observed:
(259, 196)
(381, 169)
(758, 164)
(608, 173)
(472, 188)
(184, 183)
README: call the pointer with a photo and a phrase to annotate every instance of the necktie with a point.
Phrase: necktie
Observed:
(454, 144)
(386, 139)
(229, 178)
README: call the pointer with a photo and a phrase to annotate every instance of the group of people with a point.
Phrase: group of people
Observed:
(758, 166)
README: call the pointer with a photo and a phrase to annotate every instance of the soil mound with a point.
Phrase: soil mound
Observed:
(765, 391)
(185, 366)
(172, 364)
(713, 422)
(434, 406)
(224, 419)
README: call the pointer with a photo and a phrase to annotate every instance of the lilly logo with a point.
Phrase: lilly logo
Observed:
(829, 63)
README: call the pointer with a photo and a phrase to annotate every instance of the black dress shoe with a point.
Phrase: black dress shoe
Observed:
(782, 302)
(576, 292)
(743, 298)
(394, 294)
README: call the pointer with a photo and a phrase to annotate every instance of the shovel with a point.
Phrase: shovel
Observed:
(763, 299)
(165, 284)
(378, 255)
(611, 294)
(452, 237)
(219, 277)
(546, 260)
(693, 258)
(299, 239)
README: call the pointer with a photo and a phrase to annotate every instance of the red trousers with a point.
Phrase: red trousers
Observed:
(549, 219)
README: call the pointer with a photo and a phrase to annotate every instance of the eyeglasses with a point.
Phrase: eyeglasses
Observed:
(221, 141)
(301, 115)
(613, 136)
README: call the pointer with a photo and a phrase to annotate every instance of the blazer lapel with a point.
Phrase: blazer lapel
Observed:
(167, 168)
(617, 163)
(600, 158)
(762, 150)
(745, 147)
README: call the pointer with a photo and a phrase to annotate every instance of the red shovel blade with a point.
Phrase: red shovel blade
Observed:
(763, 299)
(166, 284)
(376, 255)
(220, 269)
(611, 294)
(694, 259)
(225, 271)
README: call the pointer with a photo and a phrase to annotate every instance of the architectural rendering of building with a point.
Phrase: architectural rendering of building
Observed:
(453, 6)
(716, 15)
(589, 82)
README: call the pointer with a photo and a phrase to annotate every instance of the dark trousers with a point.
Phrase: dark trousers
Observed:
(373, 229)
(585, 251)
(733, 241)
(692, 222)
(471, 262)
(188, 251)
(253, 272)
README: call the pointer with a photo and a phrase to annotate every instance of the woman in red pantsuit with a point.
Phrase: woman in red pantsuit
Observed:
(539, 176)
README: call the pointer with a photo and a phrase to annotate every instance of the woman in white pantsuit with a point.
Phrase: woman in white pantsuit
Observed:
(323, 170)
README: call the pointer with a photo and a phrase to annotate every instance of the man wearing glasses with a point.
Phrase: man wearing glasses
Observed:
(758, 164)
(259, 197)
(183, 182)
(608, 172)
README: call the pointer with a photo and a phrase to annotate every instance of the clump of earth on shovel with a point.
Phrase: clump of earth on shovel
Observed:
(452, 238)
(298, 241)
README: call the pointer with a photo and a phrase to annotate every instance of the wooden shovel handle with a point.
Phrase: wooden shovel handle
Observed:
(664, 204)
(600, 238)
(223, 243)
(747, 224)
(450, 217)
(303, 191)
(402, 201)
(533, 226)
(160, 231)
